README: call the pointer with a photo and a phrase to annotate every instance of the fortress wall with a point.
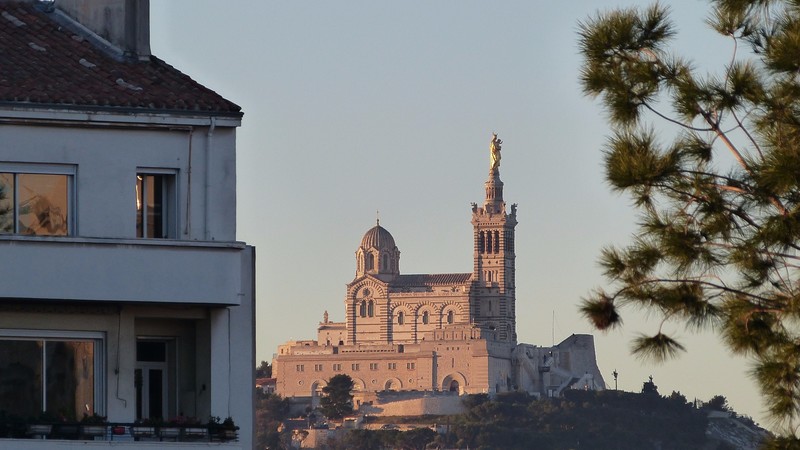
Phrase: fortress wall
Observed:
(439, 405)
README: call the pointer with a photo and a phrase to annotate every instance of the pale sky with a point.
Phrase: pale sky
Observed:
(356, 106)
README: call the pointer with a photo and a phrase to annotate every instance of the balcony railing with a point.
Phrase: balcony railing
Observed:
(117, 432)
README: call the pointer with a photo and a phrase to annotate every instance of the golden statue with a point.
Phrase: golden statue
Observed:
(494, 152)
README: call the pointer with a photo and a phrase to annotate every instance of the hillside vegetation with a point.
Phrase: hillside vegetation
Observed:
(612, 420)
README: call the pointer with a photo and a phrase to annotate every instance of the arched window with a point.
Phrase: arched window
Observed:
(450, 316)
(371, 308)
(497, 242)
(401, 318)
(369, 261)
(385, 263)
(481, 242)
(425, 317)
(489, 242)
(362, 310)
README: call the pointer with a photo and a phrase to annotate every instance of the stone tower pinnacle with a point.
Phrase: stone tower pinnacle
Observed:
(493, 305)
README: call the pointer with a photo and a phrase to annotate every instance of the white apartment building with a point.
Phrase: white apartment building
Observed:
(124, 291)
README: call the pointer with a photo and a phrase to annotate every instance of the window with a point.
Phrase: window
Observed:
(401, 318)
(392, 366)
(450, 317)
(156, 205)
(362, 310)
(51, 374)
(36, 199)
(371, 308)
(337, 367)
(300, 368)
(425, 317)
(410, 366)
(373, 366)
(317, 367)
(354, 366)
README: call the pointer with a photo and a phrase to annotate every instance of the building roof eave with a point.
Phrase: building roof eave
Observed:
(70, 114)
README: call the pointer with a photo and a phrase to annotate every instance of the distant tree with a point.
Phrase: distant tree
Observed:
(337, 397)
(718, 245)
(361, 440)
(271, 410)
(416, 439)
(264, 370)
(648, 387)
(678, 400)
(718, 403)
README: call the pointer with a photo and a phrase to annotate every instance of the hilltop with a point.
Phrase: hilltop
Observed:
(579, 420)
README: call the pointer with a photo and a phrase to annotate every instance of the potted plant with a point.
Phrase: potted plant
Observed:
(193, 429)
(94, 425)
(42, 425)
(144, 428)
(170, 430)
(224, 430)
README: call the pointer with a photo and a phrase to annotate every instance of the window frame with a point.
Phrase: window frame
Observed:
(169, 202)
(68, 170)
(98, 338)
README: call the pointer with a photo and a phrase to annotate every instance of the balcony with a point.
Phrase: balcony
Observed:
(123, 270)
(118, 432)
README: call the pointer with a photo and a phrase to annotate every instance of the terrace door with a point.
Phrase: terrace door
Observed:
(152, 379)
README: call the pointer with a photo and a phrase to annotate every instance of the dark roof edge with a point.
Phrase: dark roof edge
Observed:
(122, 109)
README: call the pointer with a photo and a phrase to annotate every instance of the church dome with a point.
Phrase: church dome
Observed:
(378, 237)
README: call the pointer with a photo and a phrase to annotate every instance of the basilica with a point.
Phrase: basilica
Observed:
(447, 332)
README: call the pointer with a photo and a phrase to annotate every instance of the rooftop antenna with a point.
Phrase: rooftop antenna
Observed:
(553, 330)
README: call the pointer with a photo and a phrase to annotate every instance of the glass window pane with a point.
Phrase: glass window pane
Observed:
(21, 377)
(152, 198)
(151, 351)
(70, 378)
(139, 205)
(6, 202)
(155, 194)
(42, 208)
(155, 380)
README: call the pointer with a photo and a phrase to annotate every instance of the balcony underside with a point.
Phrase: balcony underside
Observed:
(123, 270)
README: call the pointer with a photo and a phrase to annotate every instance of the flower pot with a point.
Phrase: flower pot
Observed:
(143, 431)
(226, 435)
(169, 432)
(195, 433)
(93, 430)
(36, 429)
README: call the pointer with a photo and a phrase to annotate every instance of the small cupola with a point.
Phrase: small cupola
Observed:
(378, 255)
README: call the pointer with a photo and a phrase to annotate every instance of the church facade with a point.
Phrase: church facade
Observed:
(451, 332)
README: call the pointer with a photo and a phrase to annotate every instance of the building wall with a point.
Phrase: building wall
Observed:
(96, 276)
(107, 166)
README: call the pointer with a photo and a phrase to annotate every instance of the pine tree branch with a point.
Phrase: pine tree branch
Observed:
(676, 122)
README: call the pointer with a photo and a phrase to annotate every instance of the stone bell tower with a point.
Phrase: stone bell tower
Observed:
(492, 306)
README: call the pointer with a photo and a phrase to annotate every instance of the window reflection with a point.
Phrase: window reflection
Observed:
(152, 205)
(67, 387)
(34, 204)
(21, 377)
(6, 203)
(42, 206)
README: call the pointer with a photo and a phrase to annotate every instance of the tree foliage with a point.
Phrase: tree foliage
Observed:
(719, 196)
(270, 411)
(613, 420)
(337, 397)
(264, 370)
